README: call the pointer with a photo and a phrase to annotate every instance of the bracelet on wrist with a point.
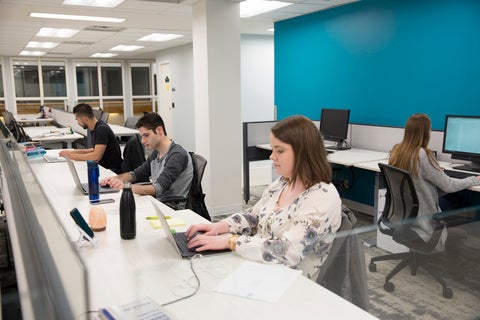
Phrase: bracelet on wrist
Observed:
(232, 242)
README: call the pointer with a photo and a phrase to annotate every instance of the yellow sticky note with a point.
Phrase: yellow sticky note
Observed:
(172, 222)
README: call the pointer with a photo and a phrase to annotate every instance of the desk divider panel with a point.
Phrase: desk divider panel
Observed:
(51, 277)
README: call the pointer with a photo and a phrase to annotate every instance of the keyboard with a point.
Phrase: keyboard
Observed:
(460, 174)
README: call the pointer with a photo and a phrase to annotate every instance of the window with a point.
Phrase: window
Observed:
(53, 76)
(26, 79)
(141, 88)
(87, 79)
(140, 79)
(111, 79)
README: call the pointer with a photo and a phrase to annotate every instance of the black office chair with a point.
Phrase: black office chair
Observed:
(8, 119)
(195, 200)
(97, 113)
(131, 122)
(19, 133)
(397, 219)
(104, 117)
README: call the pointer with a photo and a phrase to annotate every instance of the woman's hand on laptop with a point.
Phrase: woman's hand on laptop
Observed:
(209, 229)
(202, 242)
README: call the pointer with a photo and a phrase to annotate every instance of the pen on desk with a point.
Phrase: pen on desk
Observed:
(156, 218)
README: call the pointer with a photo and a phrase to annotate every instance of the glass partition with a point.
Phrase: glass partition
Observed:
(51, 277)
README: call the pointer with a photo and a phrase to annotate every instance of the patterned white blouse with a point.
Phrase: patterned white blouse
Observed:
(298, 236)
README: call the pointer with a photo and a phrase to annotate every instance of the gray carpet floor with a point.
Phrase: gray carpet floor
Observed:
(416, 297)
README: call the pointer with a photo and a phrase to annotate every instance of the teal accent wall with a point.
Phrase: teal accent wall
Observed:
(383, 59)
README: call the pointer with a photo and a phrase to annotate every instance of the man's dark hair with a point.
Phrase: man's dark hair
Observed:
(83, 109)
(151, 121)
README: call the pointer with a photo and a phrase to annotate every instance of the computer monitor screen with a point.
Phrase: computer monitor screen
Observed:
(334, 125)
(460, 139)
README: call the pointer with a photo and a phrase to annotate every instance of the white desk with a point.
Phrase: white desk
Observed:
(32, 118)
(352, 157)
(121, 131)
(120, 271)
(373, 166)
(52, 134)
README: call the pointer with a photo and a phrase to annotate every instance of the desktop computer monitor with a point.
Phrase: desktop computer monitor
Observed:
(460, 139)
(334, 126)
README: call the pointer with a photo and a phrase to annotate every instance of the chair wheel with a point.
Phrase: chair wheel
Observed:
(388, 286)
(372, 267)
(447, 292)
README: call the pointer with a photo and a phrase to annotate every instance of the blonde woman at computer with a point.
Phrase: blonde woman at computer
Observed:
(414, 156)
(295, 220)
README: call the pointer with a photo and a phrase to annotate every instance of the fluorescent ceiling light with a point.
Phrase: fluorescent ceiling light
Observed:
(126, 48)
(103, 55)
(250, 8)
(43, 45)
(74, 17)
(56, 32)
(94, 3)
(271, 29)
(160, 37)
(32, 53)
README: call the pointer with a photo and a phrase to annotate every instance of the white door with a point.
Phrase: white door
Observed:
(165, 108)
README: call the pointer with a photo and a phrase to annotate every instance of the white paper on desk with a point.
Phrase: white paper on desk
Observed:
(259, 281)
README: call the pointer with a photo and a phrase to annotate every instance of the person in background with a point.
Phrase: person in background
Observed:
(105, 147)
(169, 166)
(413, 155)
(295, 220)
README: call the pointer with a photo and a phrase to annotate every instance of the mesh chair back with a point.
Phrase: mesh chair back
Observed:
(131, 122)
(97, 113)
(401, 204)
(104, 116)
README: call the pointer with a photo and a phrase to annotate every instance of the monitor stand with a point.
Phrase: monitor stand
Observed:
(341, 145)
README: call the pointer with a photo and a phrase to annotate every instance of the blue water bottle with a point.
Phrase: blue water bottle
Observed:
(93, 174)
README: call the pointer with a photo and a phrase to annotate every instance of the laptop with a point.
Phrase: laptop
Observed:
(84, 186)
(179, 240)
(53, 159)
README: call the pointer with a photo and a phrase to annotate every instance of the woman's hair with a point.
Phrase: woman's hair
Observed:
(416, 136)
(311, 165)
(151, 121)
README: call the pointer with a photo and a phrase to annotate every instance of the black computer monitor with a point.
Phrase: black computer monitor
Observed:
(334, 126)
(461, 140)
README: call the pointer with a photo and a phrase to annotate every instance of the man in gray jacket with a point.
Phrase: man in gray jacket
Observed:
(169, 167)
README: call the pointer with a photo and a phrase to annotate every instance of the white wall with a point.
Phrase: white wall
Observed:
(257, 82)
(181, 79)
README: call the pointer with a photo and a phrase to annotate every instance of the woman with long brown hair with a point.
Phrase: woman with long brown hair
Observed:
(414, 156)
(295, 220)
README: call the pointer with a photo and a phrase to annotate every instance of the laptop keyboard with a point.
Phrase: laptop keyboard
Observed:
(100, 188)
(182, 242)
(459, 174)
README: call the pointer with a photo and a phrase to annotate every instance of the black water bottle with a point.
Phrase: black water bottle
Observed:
(128, 224)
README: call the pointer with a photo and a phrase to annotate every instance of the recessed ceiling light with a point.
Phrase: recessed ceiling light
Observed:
(126, 48)
(160, 37)
(250, 8)
(74, 17)
(43, 45)
(56, 32)
(93, 3)
(32, 53)
(103, 55)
